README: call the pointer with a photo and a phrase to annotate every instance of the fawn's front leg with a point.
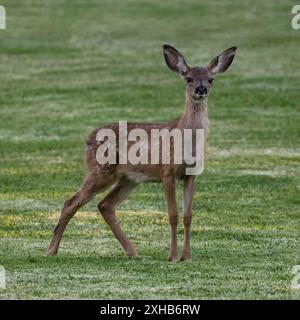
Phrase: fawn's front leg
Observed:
(169, 182)
(188, 192)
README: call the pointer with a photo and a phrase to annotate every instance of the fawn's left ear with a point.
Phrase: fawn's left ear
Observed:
(222, 62)
(174, 59)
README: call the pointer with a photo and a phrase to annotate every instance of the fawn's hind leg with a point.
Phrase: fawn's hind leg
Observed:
(87, 191)
(108, 207)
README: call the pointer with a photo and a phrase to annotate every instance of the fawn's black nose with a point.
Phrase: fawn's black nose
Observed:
(201, 90)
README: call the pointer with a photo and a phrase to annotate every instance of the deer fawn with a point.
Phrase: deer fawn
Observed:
(125, 177)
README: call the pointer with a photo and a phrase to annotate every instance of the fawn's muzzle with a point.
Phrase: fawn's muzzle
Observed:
(201, 91)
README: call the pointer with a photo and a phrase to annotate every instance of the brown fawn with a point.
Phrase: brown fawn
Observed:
(125, 177)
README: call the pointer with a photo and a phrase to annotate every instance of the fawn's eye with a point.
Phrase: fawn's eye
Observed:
(211, 80)
(189, 80)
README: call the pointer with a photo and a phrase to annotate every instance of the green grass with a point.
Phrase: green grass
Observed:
(69, 66)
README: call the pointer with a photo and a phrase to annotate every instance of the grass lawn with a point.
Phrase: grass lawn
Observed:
(68, 66)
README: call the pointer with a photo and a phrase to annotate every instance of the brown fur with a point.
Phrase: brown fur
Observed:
(124, 178)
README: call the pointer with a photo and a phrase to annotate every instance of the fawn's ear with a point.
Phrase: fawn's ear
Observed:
(222, 62)
(174, 59)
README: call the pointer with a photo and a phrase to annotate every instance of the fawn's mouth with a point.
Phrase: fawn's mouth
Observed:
(198, 97)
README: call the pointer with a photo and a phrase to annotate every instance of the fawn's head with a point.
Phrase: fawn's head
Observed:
(198, 79)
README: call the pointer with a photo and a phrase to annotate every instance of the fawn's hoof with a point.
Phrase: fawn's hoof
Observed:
(51, 253)
(173, 258)
(131, 252)
(186, 258)
(186, 255)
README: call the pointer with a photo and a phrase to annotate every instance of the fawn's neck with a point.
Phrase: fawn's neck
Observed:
(195, 114)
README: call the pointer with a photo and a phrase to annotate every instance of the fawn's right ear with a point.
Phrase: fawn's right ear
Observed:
(174, 59)
(222, 62)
